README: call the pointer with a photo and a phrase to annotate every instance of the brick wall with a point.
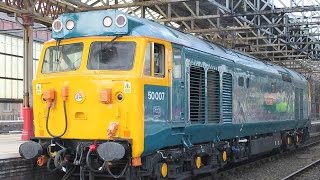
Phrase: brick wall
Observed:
(18, 169)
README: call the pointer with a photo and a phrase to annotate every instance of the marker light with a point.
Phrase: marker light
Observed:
(106, 96)
(57, 25)
(121, 20)
(70, 25)
(49, 96)
(107, 21)
(119, 96)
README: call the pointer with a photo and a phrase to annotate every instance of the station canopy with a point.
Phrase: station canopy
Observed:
(285, 32)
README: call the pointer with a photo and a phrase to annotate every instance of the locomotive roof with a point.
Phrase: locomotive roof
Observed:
(153, 29)
(143, 27)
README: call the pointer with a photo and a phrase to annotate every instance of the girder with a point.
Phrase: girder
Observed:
(44, 11)
(262, 28)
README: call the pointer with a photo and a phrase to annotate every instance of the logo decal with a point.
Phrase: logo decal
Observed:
(79, 97)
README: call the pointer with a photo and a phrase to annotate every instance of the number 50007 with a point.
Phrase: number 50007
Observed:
(156, 95)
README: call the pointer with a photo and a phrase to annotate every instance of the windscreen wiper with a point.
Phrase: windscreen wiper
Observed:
(59, 52)
(113, 40)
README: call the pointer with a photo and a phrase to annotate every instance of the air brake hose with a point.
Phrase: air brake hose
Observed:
(65, 118)
(49, 168)
(69, 173)
(121, 174)
(58, 158)
(88, 162)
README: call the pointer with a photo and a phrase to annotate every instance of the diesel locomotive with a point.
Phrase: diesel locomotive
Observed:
(123, 97)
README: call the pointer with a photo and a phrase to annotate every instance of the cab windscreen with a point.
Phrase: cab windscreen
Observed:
(111, 55)
(62, 58)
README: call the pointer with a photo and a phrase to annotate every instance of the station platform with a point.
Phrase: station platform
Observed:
(13, 167)
(9, 145)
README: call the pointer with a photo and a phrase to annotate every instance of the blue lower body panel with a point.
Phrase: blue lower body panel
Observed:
(159, 135)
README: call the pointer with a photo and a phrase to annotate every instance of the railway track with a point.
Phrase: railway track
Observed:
(251, 164)
(301, 171)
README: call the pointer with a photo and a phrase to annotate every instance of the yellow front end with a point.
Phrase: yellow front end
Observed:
(89, 117)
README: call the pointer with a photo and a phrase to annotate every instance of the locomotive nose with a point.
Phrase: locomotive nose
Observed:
(30, 150)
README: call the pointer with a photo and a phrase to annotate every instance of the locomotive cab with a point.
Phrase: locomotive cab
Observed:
(84, 89)
(92, 93)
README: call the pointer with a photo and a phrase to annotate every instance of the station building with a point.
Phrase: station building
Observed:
(11, 64)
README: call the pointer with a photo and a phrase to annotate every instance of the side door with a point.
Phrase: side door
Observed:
(177, 89)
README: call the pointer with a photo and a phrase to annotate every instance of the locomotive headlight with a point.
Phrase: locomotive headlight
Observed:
(107, 21)
(57, 25)
(121, 20)
(70, 25)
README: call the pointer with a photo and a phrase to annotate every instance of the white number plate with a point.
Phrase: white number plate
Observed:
(156, 95)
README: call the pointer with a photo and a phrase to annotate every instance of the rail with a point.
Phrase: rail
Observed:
(302, 170)
(313, 140)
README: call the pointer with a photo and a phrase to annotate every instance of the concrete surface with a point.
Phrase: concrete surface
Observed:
(9, 145)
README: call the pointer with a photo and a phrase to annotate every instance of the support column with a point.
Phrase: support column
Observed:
(27, 112)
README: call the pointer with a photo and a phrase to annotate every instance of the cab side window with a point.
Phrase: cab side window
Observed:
(154, 64)
(158, 60)
(147, 60)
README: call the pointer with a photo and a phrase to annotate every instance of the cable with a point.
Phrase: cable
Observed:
(100, 169)
(121, 174)
(65, 118)
(49, 168)
(69, 173)
(58, 158)
(82, 176)
(88, 162)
